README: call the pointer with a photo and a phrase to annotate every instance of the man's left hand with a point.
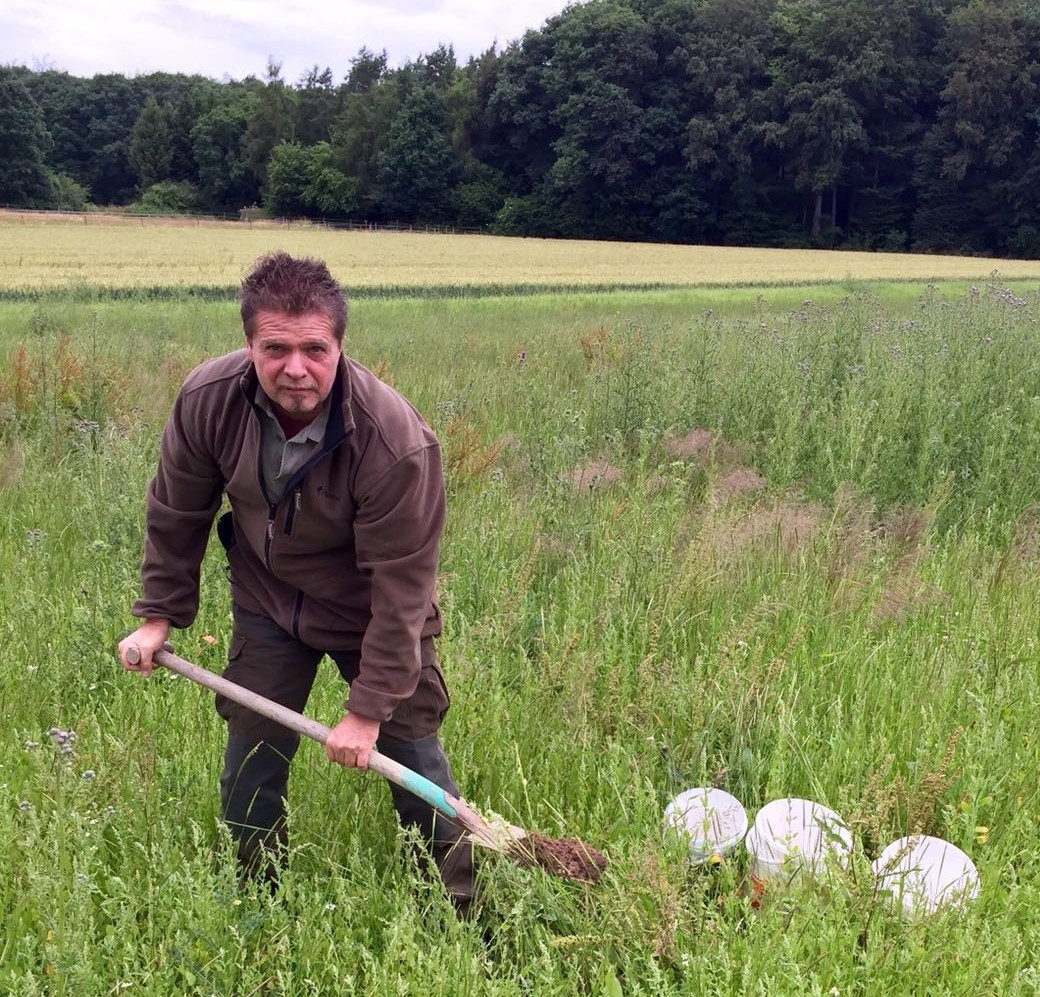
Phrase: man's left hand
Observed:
(351, 741)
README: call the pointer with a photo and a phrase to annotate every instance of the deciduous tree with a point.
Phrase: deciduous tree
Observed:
(24, 182)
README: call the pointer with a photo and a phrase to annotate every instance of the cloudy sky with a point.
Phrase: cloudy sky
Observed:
(234, 38)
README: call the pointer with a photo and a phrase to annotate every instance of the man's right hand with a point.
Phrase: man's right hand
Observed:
(147, 639)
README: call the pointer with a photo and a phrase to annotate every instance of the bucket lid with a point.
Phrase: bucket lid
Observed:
(711, 820)
(926, 873)
(799, 831)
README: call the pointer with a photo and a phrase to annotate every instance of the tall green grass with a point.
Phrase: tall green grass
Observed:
(831, 591)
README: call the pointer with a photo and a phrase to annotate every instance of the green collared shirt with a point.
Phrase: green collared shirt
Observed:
(280, 458)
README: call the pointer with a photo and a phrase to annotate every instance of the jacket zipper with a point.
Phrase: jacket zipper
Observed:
(290, 515)
(294, 507)
(272, 511)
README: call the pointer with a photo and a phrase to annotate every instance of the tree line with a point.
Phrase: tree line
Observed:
(871, 124)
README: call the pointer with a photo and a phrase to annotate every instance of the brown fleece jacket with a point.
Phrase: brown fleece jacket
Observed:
(346, 558)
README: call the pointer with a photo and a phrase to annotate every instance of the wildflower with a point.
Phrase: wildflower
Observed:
(330, 906)
(25, 805)
(90, 775)
(31, 668)
(35, 537)
(834, 991)
(31, 745)
(237, 902)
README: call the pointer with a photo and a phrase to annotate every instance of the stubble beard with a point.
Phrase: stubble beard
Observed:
(297, 403)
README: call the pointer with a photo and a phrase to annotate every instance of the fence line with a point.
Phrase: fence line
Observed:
(235, 220)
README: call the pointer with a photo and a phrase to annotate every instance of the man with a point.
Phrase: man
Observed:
(337, 504)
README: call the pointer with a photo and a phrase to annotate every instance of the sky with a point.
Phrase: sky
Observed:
(235, 38)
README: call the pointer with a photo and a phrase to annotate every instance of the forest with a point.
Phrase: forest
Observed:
(866, 124)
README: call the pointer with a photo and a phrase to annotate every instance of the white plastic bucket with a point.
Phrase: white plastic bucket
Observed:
(796, 838)
(926, 873)
(710, 821)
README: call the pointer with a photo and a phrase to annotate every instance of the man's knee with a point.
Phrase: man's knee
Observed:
(255, 780)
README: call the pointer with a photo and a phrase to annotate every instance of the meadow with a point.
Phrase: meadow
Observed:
(784, 540)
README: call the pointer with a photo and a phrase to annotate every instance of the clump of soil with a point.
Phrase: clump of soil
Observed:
(565, 857)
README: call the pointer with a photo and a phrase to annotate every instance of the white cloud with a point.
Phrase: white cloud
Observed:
(236, 37)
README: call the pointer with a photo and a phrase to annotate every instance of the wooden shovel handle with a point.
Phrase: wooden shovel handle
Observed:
(393, 771)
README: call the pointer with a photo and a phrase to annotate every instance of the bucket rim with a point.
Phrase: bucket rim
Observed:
(832, 837)
(708, 800)
(921, 887)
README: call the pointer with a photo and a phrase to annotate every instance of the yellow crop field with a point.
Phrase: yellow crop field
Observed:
(45, 252)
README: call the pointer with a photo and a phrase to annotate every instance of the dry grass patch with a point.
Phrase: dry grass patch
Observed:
(701, 447)
(595, 476)
(871, 563)
(695, 445)
(738, 482)
(725, 535)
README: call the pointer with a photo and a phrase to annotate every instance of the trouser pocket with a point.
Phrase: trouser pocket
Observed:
(264, 659)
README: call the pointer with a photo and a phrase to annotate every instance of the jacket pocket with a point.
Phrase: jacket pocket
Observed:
(431, 666)
(226, 531)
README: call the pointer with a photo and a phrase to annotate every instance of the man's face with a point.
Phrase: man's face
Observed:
(295, 357)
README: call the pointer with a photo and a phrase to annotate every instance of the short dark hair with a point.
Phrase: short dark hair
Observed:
(291, 285)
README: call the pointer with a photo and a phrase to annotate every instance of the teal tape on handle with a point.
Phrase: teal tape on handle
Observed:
(428, 791)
